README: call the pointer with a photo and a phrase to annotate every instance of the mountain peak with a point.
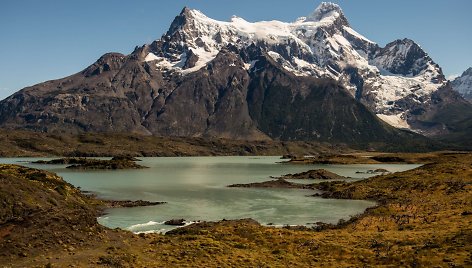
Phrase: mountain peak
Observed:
(179, 20)
(328, 11)
(406, 41)
(185, 11)
(463, 84)
(404, 45)
(467, 72)
(188, 16)
(325, 9)
(406, 57)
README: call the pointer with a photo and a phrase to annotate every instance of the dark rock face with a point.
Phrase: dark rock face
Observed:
(314, 110)
(106, 63)
(192, 58)
(449, 114)
(210, 102)
(93, 100)
(443, 114)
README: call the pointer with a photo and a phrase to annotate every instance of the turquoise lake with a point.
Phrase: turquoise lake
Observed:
(195, 190)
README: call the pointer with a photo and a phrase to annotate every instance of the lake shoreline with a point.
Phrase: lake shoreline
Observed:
(294, 207)
(407, 227)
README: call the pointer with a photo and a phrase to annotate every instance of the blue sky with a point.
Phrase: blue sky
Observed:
(49, 39)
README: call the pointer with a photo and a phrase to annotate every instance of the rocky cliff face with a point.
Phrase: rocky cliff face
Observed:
(463, 84)
(312, 79)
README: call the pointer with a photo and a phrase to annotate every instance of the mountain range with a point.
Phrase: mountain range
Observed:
(312, 79)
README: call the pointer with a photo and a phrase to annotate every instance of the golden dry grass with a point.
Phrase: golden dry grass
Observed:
(423, 220)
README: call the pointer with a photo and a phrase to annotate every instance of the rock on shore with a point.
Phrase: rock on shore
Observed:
(129, 203)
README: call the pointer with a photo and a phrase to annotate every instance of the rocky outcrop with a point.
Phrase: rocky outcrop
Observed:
(40, 211)
(175, 222)
(278, 183)
(129, 203)
(316, 174)
(377, 171)
(444, 114)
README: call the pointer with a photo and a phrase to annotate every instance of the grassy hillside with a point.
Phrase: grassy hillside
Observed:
(462, 135)
(26, 143)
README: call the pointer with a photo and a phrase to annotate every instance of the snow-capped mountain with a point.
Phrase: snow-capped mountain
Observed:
(463, 84)
(312, 79)
(320, 45)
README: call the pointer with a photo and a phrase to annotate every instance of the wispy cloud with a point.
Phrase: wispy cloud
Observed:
(452, 76)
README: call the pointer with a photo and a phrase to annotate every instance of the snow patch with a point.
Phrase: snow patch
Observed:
(204, 57)
(395, 120)
(325, 11)
(250, 65)
(356, 34)
(151, 57)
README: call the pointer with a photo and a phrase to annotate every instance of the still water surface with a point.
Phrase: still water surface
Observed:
(195, 189)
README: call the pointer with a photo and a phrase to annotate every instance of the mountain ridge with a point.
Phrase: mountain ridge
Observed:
(203, 77)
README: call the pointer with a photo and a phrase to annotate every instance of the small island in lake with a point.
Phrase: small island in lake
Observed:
(120, 162)
(281, 182)
(315, 174)
(374, 171)
(278, 183)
